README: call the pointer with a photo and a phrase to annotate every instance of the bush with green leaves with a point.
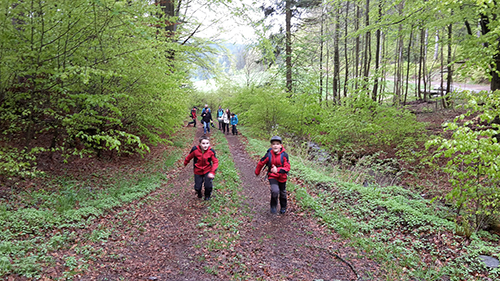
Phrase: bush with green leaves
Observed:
(90, 75)
(473, 164)
(360, 122)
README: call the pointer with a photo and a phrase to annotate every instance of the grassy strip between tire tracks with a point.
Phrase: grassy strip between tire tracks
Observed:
(220, 226)
(412, 238)
(61, 216)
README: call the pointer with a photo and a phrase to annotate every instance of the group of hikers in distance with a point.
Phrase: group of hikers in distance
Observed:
(223, 117)
(205, 162)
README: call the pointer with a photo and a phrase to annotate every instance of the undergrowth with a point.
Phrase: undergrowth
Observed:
(36, 223)
(411, 237)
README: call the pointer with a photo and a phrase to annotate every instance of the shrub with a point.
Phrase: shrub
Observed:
(473, 161)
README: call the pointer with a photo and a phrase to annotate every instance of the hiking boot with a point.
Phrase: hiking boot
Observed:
(283, 210)
(198, 192)
(273, 210)
(207, 198)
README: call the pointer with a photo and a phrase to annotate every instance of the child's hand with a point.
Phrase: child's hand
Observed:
(274, 170)
(211, 176)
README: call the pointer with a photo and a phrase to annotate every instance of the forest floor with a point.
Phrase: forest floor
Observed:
(165, 236)
(162, 241)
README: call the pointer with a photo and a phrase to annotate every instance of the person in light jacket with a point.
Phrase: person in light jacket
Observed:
(226, 118)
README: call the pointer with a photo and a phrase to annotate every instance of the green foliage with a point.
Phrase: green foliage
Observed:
(392, 225)
(360, 122)
(474, 161)
(18, 162)
(266, 108)
(43, 225)
(90, 74)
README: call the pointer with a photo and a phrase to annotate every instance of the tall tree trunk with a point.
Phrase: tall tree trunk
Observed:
(441, 76)
(436, 46)
(288, 47)
(346, 76)
(424, 64)
(399, 57)
(377, 55)
(169, 12)
(408, 65)
(420, 62)
(356, 52)
(495, 78)
(449, 67)
(321, 58)
(495, 66)
(367, 53)
(382, 59)
(336, 57)
(327, 72)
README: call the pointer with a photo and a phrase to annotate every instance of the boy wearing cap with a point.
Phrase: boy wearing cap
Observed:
(278, 166)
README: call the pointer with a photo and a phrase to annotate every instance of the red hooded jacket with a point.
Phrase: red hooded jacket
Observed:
(206, 162)
(276, 160)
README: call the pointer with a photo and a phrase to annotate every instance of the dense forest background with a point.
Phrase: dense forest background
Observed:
(345, 82)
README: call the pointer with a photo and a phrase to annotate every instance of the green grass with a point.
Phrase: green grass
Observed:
(221, 226)
(38, 222)
(409, 236)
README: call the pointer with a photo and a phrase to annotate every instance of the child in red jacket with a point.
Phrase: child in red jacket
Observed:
(278, 167)
(205, 165)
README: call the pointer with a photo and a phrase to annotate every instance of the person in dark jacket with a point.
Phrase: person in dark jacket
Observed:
(278, 166)
(206, 118)
(205, 165)
(193, 116)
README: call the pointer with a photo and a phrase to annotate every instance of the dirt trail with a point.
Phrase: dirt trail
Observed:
(291, 246)
(163, 240)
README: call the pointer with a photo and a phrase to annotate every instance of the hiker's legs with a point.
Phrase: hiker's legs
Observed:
(198, 182)
(208, 186)
(205, 127)
(275, 190)
(282, 188)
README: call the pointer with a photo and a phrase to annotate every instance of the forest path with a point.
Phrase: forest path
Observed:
(163, 239)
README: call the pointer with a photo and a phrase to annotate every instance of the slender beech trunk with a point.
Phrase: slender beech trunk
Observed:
(449, 66)
(321, 42)
(336, 57)
(288, 47)
(327, 72)
(346, 77)
(367, 53)
(408, 65)
(356, 50)
(441, 76)
(399, 57)
(436, 46)
(377, 55)
(420, 63)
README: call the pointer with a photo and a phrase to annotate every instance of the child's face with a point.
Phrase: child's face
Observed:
(205, 144)
(276, 146)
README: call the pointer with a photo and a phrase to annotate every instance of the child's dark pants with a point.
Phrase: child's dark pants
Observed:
(278, 189)
(198, 182)
(235, 131)
(193, 122)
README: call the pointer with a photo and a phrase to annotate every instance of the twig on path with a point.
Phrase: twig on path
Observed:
(337, 256)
